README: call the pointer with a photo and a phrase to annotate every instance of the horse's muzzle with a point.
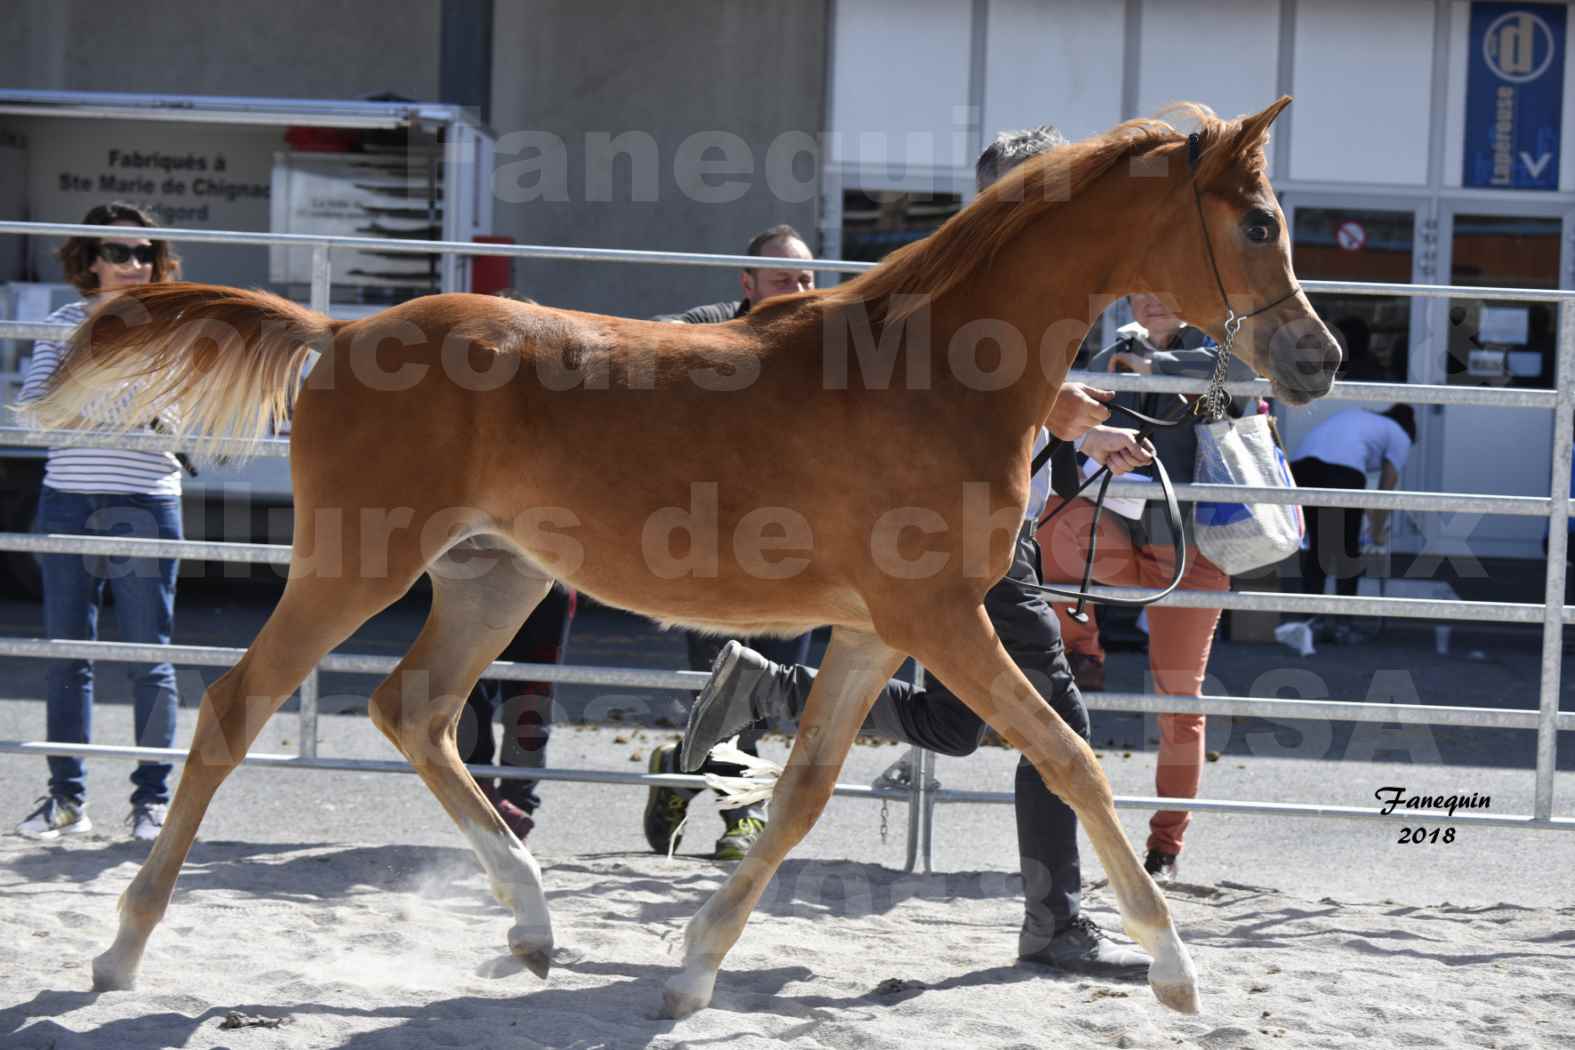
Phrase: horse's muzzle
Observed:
(1305, 360)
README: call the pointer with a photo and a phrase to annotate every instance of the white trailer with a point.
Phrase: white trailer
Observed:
(393, 169)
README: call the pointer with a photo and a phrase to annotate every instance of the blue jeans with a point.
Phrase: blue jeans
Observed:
(144, 592)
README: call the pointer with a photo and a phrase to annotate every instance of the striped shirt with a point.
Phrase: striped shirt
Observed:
(1039, 484)
(94, 469)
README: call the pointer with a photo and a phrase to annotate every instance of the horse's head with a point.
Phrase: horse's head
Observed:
(1228, 267)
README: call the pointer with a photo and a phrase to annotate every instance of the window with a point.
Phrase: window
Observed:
(1357, 244)
(1502, 342)
(876, 222)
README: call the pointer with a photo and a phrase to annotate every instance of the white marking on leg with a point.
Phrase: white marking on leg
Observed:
(1172, 975)
(516, 882)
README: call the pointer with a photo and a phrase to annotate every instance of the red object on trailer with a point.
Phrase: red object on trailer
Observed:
(490, 274)
(305, 139)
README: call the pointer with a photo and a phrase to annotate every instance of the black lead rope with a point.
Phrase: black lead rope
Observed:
(1146, 427)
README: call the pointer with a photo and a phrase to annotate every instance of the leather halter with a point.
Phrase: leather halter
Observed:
(1211, 406)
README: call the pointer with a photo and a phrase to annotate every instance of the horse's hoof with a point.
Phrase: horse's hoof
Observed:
(1180, 996)
(678, 1005)
(531, 949)
(107, 977)
(538, 962)
(1172, 975)
(683, 995)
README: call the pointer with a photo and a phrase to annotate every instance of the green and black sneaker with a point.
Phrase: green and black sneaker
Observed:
(739, 838)
(666, 806)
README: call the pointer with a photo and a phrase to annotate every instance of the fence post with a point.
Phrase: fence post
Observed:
(927, 803)
(921, 811)
(306, 747)
(322, 277)
(1558, 552)
(916, 791)
(322, 283)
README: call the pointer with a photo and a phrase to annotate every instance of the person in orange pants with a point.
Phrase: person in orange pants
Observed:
(1179, 641)
(1138, 551)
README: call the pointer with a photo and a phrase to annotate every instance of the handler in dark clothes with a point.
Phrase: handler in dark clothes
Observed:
(526, 709)
(666, 807)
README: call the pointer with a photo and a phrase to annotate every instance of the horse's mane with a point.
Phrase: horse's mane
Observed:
(1036, 187)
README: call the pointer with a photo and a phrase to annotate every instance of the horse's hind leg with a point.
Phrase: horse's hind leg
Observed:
(418, 708)
(314, 615)
(857, 665)
(964, 652)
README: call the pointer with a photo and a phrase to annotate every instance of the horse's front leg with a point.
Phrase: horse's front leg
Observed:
(857, 665)
(959, 645)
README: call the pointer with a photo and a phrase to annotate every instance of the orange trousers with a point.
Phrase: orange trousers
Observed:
(1179, 640)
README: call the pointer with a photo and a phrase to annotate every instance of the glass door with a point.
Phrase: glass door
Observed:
(1371, 239)
(1377, 245)
(1508, 343)
(1503, 343)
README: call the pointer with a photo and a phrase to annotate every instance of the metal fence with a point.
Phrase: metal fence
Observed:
(922, 793)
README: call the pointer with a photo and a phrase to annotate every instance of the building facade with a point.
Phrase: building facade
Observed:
(1382, 164)
(1430, 141)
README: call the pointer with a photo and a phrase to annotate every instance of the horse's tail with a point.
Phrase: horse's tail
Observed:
(203, 359)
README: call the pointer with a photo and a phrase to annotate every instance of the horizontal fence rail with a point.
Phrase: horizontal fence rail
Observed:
(1252, 601)
(1323, 710)
(630, 255)
(1415, 393)
(364, 765)
(691, 681)
(1131, 703)
(380, 245)
(143, 441)
(347, 663)
(684, 780)
(924, 793)
(1518, 506)
(1290, 809)
(135, 547)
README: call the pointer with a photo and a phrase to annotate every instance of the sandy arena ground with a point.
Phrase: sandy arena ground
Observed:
(341, 910)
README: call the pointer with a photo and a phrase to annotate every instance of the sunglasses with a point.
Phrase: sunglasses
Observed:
(120, 254)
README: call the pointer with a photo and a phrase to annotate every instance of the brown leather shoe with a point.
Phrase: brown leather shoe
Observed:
(519, 821)
(1088, 671)
(516, 817)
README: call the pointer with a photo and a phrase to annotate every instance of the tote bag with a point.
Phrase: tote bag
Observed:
(1239, 537)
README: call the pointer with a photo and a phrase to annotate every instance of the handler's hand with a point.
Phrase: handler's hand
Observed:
(1077, 410)
(1117, 448)
(1129, 362)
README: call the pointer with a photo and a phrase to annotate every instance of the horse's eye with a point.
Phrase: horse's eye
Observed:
(1260, 226)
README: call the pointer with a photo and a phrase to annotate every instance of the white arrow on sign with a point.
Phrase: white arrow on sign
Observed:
(1534, 168)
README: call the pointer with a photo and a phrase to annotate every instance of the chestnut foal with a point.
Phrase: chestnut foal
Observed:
(498, 446)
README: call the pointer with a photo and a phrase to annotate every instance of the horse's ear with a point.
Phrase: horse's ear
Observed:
(1254, 131)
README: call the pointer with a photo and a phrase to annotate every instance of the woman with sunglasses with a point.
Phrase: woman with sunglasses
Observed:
(106, 492)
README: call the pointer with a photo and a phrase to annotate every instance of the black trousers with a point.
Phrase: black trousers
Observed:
(934, 718)
(703, 649)
(527, 706)
(1331, 531)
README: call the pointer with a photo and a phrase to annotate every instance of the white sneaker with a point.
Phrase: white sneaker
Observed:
(146, 819)
(55, 817)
